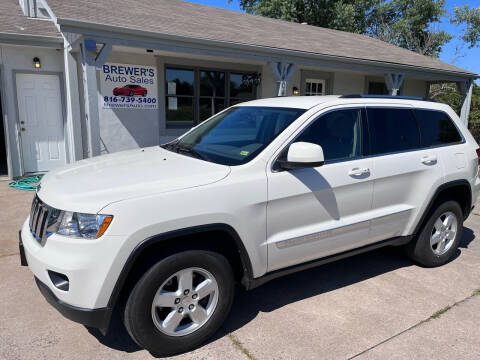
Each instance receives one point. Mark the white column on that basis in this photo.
(394, 82)
(283, 72)
(74, 129)
(92, 119)
(90, 61)
(466, 88)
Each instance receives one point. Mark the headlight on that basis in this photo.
(87, 226)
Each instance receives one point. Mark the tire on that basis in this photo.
(144, 94)
(425, 250)
(130, 93)
(149, 324)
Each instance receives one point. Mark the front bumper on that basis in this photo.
(88, 266)
(97, 318)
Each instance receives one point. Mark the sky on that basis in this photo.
(467, 58)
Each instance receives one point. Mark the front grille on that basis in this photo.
(42, 217)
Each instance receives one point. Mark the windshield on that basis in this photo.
(237, 135)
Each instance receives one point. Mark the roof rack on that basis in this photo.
(363, 96)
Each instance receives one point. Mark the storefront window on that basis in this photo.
(194, 95)
(242, 87)
(180, 97)
(212, 93)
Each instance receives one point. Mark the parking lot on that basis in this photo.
(373, 306)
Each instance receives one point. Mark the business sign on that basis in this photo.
(126, 86)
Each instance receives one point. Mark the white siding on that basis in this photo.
(414, 87)
(348, 83)
(20, 59)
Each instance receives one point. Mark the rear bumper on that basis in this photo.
(97, 318)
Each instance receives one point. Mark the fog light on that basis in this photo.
(60, 281)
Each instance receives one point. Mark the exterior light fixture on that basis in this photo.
(36, 63)
(296, 91)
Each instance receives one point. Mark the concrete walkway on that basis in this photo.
(373, 306)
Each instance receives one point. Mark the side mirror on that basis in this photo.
(303, 155)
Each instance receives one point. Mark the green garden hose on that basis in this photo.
(28, 183)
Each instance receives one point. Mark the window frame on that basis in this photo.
(371, 132)
(365, 138)
(196, 92)
(462, 141)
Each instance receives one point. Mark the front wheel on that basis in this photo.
(440, 236)
(180, 302)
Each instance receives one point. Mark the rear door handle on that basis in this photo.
(359, 172)
(429, 159)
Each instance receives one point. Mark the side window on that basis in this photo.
(392, 130)
(436, 128)
(339, 133)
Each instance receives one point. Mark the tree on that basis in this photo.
(447, 93)
(410, 24)
(471, 19)
(406, 23)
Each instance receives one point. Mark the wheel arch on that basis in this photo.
(193, 238)
(458, 190)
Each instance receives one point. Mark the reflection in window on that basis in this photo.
(180, 95)
(212, 93)
(339, 133)
(242, 87)
(193, 96)
(180, 108)
(436, 128)
(392, 130)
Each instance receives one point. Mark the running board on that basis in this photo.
(250, 284)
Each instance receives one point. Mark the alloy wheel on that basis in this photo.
(185, 302)
(443, 233)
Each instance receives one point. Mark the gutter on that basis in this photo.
(89, 26)
(30, 39)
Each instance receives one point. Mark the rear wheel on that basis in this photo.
(180, 302)
(130, 93)
(439, 238)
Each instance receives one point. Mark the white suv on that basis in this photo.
(262, 189)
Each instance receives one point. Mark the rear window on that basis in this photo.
(436, 128)
(392, 130)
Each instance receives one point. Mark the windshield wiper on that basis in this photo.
(180, 148)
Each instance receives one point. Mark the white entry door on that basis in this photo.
(41, 122)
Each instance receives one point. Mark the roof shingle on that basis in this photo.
(12, 21)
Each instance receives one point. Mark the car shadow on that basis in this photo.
(289, 289)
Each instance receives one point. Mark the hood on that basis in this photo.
(91, 184)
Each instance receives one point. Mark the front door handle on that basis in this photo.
(355, 172)
(429, 159)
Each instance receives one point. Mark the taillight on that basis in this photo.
(478, 155)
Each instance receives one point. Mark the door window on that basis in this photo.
(314, 87)
(392, 130)
(339, 133)
(436, 128)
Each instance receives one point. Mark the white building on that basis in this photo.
(80, 78)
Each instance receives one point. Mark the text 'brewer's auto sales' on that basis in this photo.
(126, 86)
